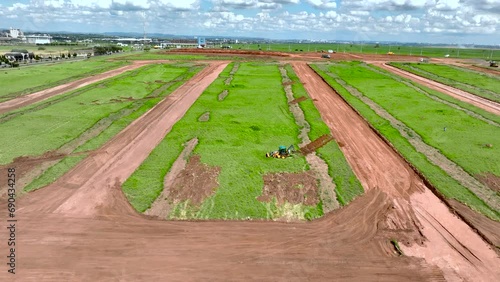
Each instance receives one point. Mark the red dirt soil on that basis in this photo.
(294, 188)
(196, 182)
(451, 244)
(477, 101)
(82, 227)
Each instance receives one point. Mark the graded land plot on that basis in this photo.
(250, 119)
(480, 84)
(21, 81)
(469, 143)
(64, 129)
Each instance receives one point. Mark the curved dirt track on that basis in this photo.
(25, 100)
(451, 244)
(82, 228)
(477, 101)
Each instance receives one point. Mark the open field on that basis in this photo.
(422, 115)
(213, 131)
(480, 84)
(234, 138)
(21, 81)
(356, 48)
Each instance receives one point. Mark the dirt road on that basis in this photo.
(450, 244)
(47, 93)
(81, 228)
(81, 192)
(477, 101)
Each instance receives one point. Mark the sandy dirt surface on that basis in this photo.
(81, 228)
(477, 101)
(449, 243)
(47, 93)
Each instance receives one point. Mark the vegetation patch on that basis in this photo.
(236, 139)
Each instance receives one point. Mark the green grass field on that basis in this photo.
(462, 142)
(480, 84)
(119, 120)
(25, 80)
(253, 119)
(37, 131)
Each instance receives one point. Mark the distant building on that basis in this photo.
(16, 33)
(38, 39)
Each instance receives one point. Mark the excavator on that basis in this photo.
(282, 152)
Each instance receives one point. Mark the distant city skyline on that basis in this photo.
(427, 21)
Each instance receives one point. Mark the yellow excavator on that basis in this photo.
(282, 152)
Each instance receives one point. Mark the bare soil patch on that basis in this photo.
(298, 100)
(316, 144)
(295, 188)
(204, 117)
(195, 183)
(223, 95)
(490, 180)
(161, 207)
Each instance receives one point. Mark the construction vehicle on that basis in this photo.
(493, 64)
(282, 152)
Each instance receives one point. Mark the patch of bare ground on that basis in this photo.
(432, 154)
(161, 207)
(489, 229)
(231, 74)
(294, 188)
(316, 144)
(195, 183)
(490, 180)
(223, 95)
(298, 100)
(318, 166)
(204, 117)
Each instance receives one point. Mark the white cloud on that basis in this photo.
(323, 4)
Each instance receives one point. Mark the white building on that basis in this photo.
(16, 33)
(38, 39)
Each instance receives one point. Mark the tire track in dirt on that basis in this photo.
(379, 167)
(477, 101)
(29, 99)
(81, 192)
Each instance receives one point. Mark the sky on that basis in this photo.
(426, 21)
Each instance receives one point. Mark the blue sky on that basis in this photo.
(431, 21)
